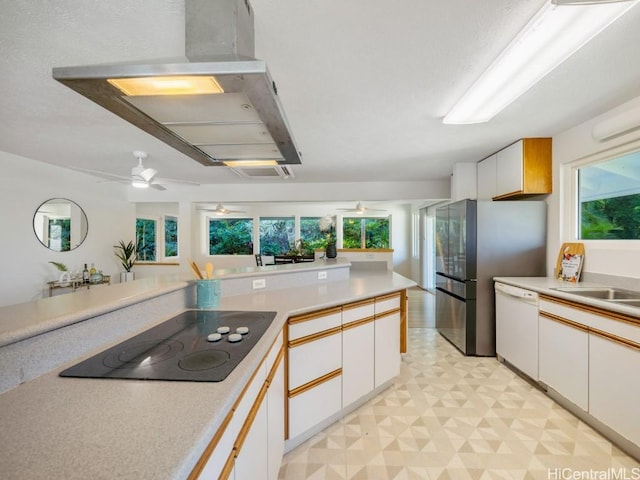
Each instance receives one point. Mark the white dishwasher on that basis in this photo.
(517, 327)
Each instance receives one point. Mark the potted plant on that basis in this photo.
(327, 226)
(127, 253)
(65, 276)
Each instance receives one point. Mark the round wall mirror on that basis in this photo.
(60, 224)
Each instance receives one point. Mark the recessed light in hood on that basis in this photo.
(215, 105)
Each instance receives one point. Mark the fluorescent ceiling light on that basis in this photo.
(169, 85)
(553, 35)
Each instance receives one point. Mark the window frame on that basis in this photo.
(569, 211)
(363, 239)
(160, 240)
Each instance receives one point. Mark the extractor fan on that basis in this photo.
(360, 209)
(220, 210)
(141, 176)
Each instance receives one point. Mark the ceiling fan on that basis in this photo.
(141, 176)
(360, 209)
(220, 210)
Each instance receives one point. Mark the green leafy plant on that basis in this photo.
(127, 253)
(60, 266)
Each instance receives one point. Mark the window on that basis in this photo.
(146, 239)
(60, 234)
(170, 236)
(365, 232)
(231, 236)
(609, 199)
(277, 235)
(310, 232)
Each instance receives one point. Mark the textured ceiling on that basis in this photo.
(364, 84)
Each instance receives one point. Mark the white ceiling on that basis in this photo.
(364, 84)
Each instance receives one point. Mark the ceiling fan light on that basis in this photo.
(139, 183)
(551, 36)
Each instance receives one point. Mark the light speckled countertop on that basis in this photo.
(53, 427)
(547, 286)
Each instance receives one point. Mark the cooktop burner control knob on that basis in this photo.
(223, 330)
(242, 330)
(214, 337)
(235, 337)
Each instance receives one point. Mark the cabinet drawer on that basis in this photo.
(387, 303)
(305, 325)
(357, 311)
(309, 408)
(312, 360)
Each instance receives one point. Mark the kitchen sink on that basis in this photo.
(629, 297)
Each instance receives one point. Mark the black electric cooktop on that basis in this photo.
(187, 348)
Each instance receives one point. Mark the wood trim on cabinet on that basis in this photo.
(251, 416)
(388, 313)
(616, 339)
(314, 336)
(357, 323)
(286, 383)
(388, 296)
(621, 317)
(313, 315)
(314, 383)
(565, 321)
(204, 458)
(361, 303)
(225, 473)
(403, 321)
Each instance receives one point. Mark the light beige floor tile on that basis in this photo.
(453, 417)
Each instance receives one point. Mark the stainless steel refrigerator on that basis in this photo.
(476, 241)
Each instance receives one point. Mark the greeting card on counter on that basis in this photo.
(570, 260)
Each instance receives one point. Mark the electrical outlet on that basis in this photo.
(322, 275)
(259, 283)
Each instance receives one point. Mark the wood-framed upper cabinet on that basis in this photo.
(524, 169)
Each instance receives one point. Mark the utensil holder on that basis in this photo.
(207, 293)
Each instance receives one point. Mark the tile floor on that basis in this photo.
(450, 417)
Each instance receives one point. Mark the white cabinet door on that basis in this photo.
(564, 359)
(311, 407)
(275, 421)
(614, 390)
(487, 178)
(252, 460)
(509, 169)
(357, 362)
(387, 347)
(314, 359)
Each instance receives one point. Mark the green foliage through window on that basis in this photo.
(609, 199)
(146, 239)
(277, 234)
(232, 236)
(60, 234)
(310, 233)
(365, 232)
(170, 236)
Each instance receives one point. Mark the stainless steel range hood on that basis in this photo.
(244, 122)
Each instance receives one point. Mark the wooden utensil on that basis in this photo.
(209, 269)
(196, 270)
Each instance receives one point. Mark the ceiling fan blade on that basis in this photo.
(147, 174)
(112, 176)
(157, 186)
(173, 180)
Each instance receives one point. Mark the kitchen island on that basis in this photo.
(53, 427)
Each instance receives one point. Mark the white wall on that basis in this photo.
(576, 145)
(24, 185)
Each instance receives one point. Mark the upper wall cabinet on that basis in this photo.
(519, 170)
